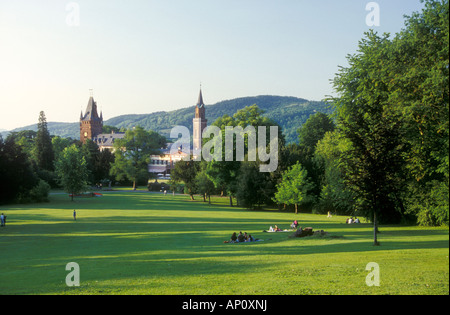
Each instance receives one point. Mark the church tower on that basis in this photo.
(91, 124)
(199, 122)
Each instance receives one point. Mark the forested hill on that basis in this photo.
(289, 112)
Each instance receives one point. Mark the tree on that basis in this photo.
(91, 153)
(254, 188)
(103, 166)
(373, 166)
(294, 188)
(186, 172)
(334, 194)
(16, 175)
(59, 144)
(203, 184)
(110, 129)
(420, 94)
(313, 130)
(26, 139)
(393, 108)
(224, 174)
(45, 156)
(132, 154)
(72, 170)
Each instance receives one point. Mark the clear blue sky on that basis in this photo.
(145, 56)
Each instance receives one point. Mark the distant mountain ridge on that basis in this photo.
(289, 112)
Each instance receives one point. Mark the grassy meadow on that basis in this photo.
(129, 242)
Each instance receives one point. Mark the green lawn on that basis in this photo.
(146, 243)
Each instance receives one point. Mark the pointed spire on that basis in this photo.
(200, 98)
(200, 107)
(91, 110)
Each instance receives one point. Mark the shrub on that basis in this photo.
(38, 193)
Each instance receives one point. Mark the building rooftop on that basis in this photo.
(108, 139)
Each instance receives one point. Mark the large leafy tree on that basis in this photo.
(59, 144)
(373, 164)
(254, 188)
(228, 176)
(132, 154)
(311, 132)
(72, 170)
(16, 175)
(186, 172)
(334, 194)
(203, 184)
(294, 188)
(392, 106)
(419, 87)
(91, 154)
(26, 139)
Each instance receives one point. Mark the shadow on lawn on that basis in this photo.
(189, 242)
(209, 232)
(189, 256)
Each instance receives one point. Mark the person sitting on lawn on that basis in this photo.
(233, 238)
(241, 238)
(277, 229)
(250, 238)
(294, 224)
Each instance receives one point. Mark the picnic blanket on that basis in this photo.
(282, 231)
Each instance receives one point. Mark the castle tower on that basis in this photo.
(199, 123)
(91, 124)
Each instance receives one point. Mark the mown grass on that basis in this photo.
(146, 243)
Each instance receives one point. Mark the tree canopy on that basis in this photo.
(132, 154)
(392, 107)
(72, 170)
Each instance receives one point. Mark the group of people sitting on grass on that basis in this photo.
(352, 220)
(242, 238)
(294, 225)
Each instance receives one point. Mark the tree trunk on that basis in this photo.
(209, 199)
(204, 197)
(134, 185)
(231, 201)
(375, 230)
(192, 197)
(296, 208)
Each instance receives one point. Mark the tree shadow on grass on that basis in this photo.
(194, 243)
